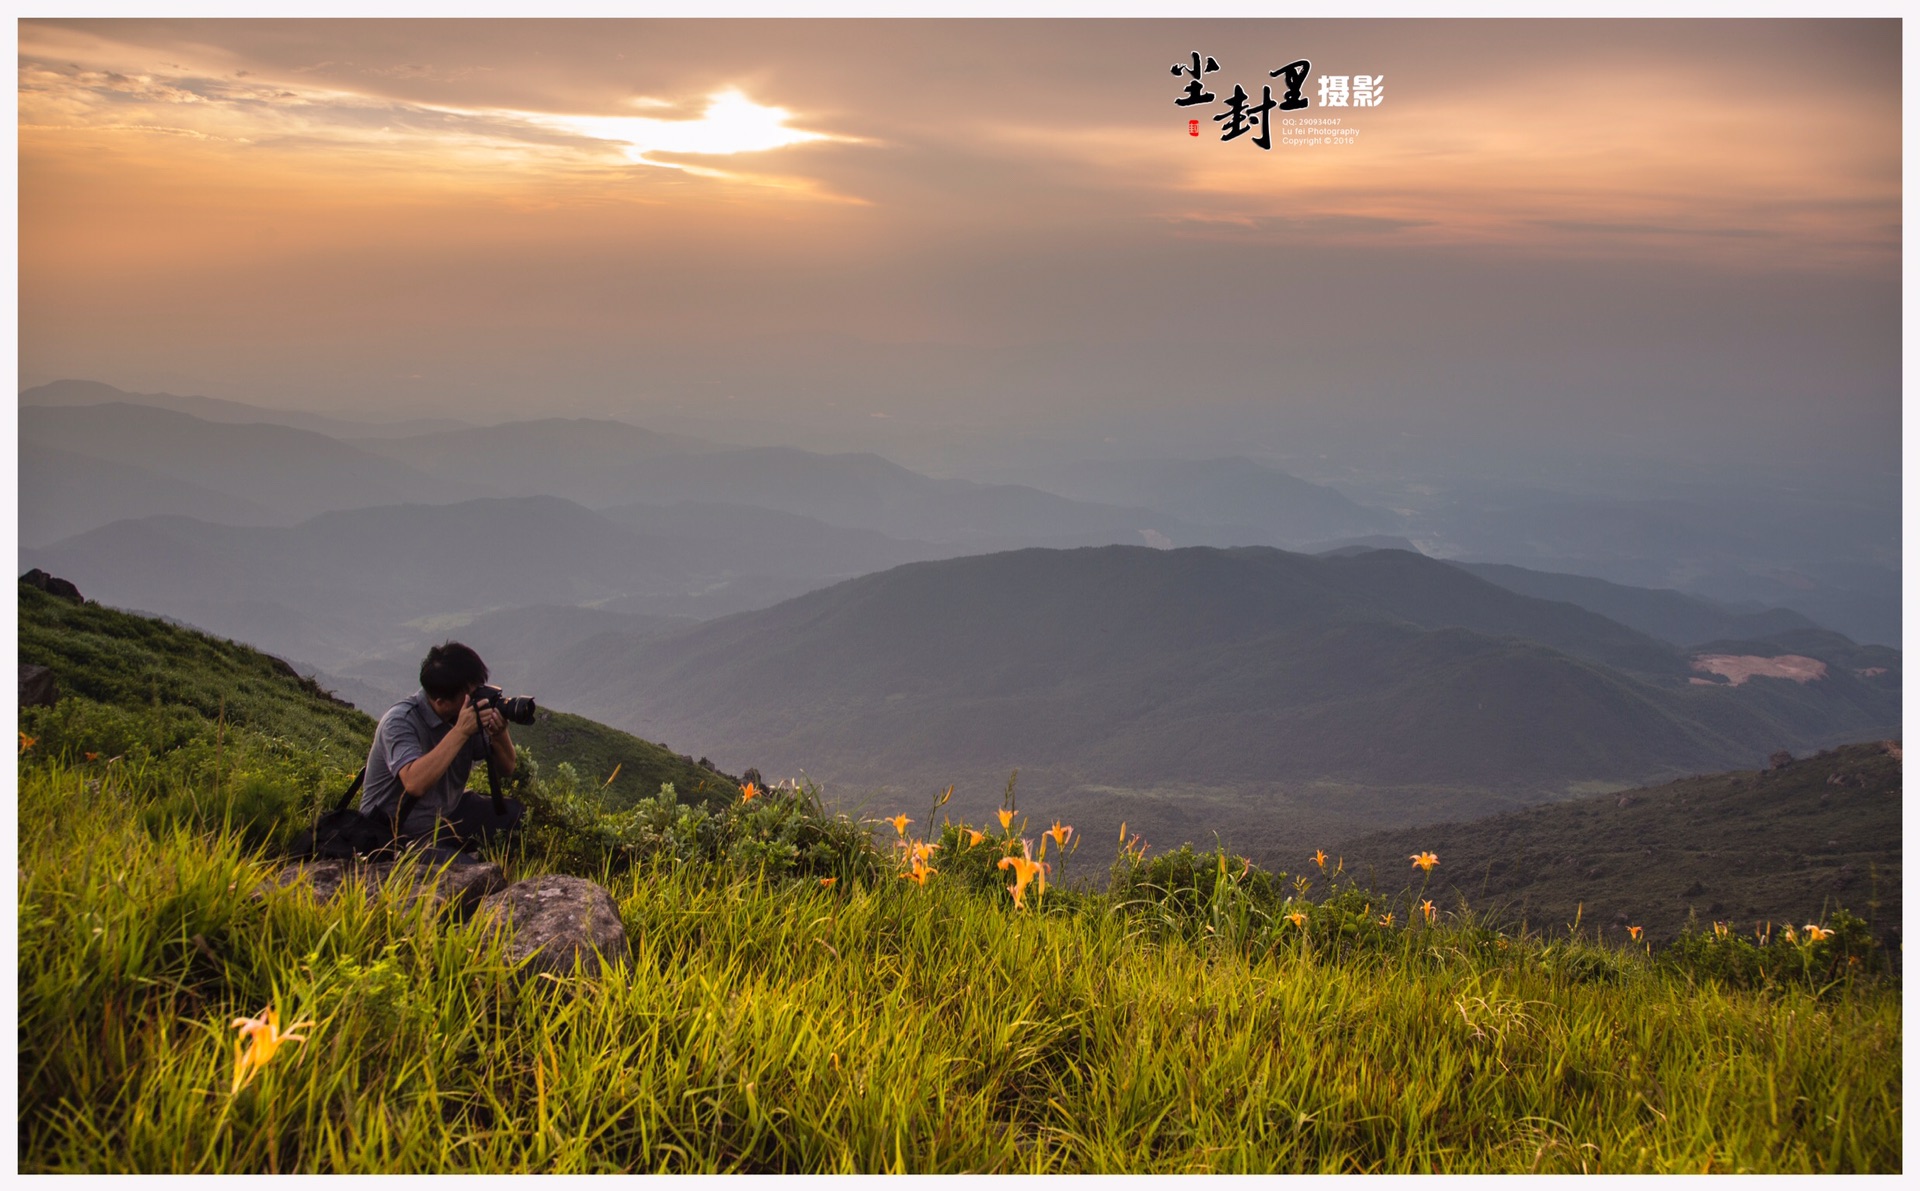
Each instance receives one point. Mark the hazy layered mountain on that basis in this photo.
(1669, 615)
(288, 474)
(517, 643)
(780, 542)
(602, 463)
(1246, 670)
(1229, 491)
(589, 461)
(66, 393)
(356, 584)
(1834, 560)
(63, 493)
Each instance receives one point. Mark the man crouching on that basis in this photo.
(424, 750)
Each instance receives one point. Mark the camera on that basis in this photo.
(517, 710)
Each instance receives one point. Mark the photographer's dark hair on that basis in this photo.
(449, 670)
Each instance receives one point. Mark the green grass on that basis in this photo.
(791, 1005)
(174, 689)
(1745, 848)
(767, 1025)
(638, 766)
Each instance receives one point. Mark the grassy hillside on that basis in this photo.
(135, 685)
(793, 1004)
(636, 767)
(1749, 847)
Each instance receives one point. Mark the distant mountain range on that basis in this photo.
(346, 584)
(96, 455)
(1355, 687)
(90, 456)
(1669, 615)
(1834, 560)
(1229, 491)
(1246, 669)
(142, 454)
(69, 393)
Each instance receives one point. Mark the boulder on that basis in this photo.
(325, 877)
(459, 887)
(553, 919)
(38, 687)
(53, 586)
(1780, 760)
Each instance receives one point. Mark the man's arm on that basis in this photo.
(418, 775)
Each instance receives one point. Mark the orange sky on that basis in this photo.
(442, 213)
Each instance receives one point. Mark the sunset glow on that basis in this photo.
(731, 123)
(631, 203)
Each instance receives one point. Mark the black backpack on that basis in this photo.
(343, 833)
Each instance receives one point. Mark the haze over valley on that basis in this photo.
(1194, 646)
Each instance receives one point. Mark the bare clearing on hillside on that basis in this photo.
(1737, 668)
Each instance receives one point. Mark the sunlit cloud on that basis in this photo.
(65, 98)
(731, 123)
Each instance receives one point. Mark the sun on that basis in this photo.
(731, 123)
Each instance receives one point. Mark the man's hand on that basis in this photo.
(494, 722)
(468, 721)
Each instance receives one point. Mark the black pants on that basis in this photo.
(471, 821)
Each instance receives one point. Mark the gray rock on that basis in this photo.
(553, 919)
(459, 887)
(325, 877)
(38, 687)
(53, 585)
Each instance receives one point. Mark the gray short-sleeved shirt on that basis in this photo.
(408, 731)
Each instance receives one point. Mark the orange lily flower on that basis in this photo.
(975, 838)
(1024, 872)
(827, 882)
(1426, 907)
(1320, 858)
(748, 792)
(1059, 833)
(1387, 918)
(1424, 861)
(26, 742)
(1006, 819)
(1634, 933)
(899, 824)
(260, 1040)
(1815, 933)
(1297, 918)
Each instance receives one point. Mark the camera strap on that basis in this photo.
(352, 789)
(493, 779)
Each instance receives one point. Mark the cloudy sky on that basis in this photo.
(1676, 238)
